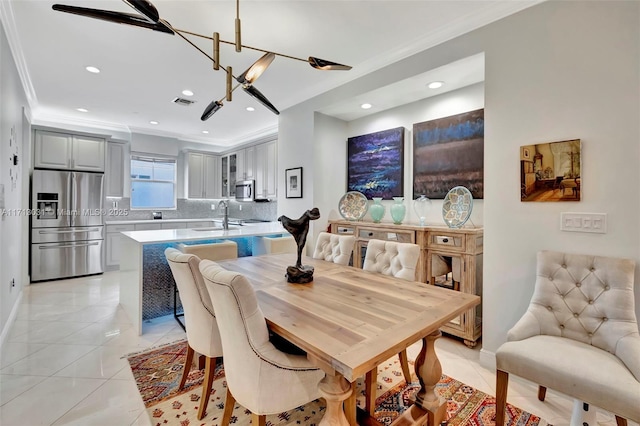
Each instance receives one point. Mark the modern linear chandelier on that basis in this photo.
(148, 17)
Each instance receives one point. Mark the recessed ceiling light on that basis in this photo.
(366, 106)
(435, 84)
(92, 69)
(82, 109)
(206, 132)
(251, 109)
(187, 92)
(153, 122)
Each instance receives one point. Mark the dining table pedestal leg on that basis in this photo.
(429, 408)
(334, 389)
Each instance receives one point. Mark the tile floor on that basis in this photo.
(62, 364)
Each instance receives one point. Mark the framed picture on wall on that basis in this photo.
(375, 164)
(293, 182)
(449, 152)
(551, 171)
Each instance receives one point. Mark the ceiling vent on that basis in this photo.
(182, 101)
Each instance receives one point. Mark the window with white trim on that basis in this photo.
(153, 182)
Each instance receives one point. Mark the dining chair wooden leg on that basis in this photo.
(371, 384)
(620, 421)
(209, 372)
(542, 393)
(502, 385)
(404, 363)
(187, 367)
(229, 403)
(258, 420)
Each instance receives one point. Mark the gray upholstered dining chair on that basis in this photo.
(398, 260)
(579, 335)
(262, 378)
(201, 326)
(334, 248)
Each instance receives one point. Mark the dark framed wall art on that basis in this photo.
(449, 152)
(375, 163)
(293, 182)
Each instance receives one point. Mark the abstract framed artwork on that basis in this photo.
(551, 171)
(293, 182)
(375, 163)
(449, 152)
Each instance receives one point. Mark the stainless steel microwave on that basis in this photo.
(244, 190)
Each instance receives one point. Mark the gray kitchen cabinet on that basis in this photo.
(266, 170)
(113, 244)
(232, 170)
(56, 150)
(202, 175)
(114, 175)
(147, 226)
(173, 225)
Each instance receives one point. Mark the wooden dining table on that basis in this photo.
(349, 321)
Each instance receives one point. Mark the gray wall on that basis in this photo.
(13, 235)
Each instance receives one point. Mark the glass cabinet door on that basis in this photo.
(233, 175)
(225, 177)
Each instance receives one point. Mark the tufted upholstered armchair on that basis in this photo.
(260, 377)
(203, 336)
(398, 260)
(579, 335)
(334, 248)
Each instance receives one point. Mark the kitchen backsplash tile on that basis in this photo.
(192, 209)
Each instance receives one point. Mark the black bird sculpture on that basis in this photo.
(299, 228)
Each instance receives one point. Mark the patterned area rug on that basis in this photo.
(158, 371)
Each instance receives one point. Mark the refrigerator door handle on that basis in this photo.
(58, 246)
(69, 231)
(69, 198)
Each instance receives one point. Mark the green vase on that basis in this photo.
(398, 210)
(377, 210)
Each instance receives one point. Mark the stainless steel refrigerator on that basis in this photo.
(66, 224)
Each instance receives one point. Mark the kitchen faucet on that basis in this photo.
(225, 219)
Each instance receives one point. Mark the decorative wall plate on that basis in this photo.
(353, 205)
(457, 207)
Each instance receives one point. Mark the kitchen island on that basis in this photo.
(146, 282)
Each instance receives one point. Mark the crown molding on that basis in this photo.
(54, 120)
(9, 24)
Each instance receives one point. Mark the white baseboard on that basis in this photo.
(488, 359)
(10, 320)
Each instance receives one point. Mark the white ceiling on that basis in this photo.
(142, 71)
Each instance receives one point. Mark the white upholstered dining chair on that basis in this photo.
(334, 248)
(398, 260)
(579, 335)
(201, 326)
(259, 376)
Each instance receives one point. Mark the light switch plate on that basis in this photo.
(583, 222)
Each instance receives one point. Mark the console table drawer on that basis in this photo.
(386, 235)
(446, 241)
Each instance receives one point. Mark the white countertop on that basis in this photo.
(175, 235)
(133, 222)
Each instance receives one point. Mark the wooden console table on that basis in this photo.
(450, 258)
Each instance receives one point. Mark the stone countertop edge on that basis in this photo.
(177, 235)
(133, 222)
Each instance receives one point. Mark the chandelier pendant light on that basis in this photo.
(148, 17)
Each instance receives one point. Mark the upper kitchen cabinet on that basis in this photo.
(232, 170)
(55, 150)
(202, 175)
(114, 176)
(265, 170)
